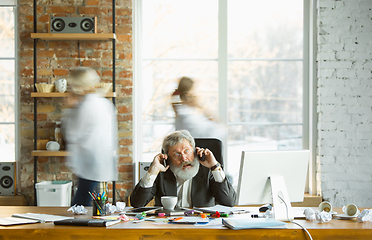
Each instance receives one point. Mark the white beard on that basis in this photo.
(187, 173)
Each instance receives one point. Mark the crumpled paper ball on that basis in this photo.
(110, 208)
(323, 216)
(268, 214)
(120, 206)
(78, 209)
(365, 215)
(309, 214)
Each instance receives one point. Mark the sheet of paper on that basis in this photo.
(9, 221)
(41, 217)
(240, 223)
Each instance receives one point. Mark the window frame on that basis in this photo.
(309, 132)
(14, 4)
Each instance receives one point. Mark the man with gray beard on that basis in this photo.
(195, 183)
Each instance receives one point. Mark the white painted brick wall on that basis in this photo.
(345, 101)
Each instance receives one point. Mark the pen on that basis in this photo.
(95, 201)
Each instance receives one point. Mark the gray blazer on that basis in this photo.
(205, 190)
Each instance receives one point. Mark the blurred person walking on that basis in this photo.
(191, 116)
(89, 125)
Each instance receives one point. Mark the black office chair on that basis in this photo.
(213, 144)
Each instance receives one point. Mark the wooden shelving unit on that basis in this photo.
(74, 36)
(57, 94)
(66, 37)
(46, 153)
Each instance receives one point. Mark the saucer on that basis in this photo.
(346, 217)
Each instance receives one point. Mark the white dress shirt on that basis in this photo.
(183, 187)
(90, 131)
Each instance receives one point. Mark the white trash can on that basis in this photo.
(54, 193)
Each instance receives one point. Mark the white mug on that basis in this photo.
(61, 85)
(351, 210)
(52, 146)
(169, 202)
(325, 206)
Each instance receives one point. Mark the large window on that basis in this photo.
(7, 81)
(247, 58)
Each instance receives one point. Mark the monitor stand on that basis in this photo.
(278, 188)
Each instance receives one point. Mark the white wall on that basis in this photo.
(345, 101)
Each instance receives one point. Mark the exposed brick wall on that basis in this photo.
(55, 59)
(345, 101)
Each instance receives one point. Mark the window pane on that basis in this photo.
(153, 138)
(271, 29)
(7, 32)
(261, 91)
(7, 91)
(7, 143)
(264, 108)
(180, 29)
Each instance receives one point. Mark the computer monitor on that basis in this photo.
(270, 176)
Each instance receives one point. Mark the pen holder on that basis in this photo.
(99, 208)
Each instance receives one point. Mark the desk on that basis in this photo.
(336, 229)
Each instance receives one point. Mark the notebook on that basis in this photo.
(87, 222)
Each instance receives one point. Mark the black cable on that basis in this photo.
(293, 221)
(79, 52)
(27, 203)
(117, 191)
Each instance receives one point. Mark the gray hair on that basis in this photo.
(82, 79)
(175, 138)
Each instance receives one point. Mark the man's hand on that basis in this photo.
(210, 160)
(157, 164)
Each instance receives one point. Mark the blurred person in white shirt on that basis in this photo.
(89, 125)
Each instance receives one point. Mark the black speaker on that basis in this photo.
(7, 178)
(73, 25)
